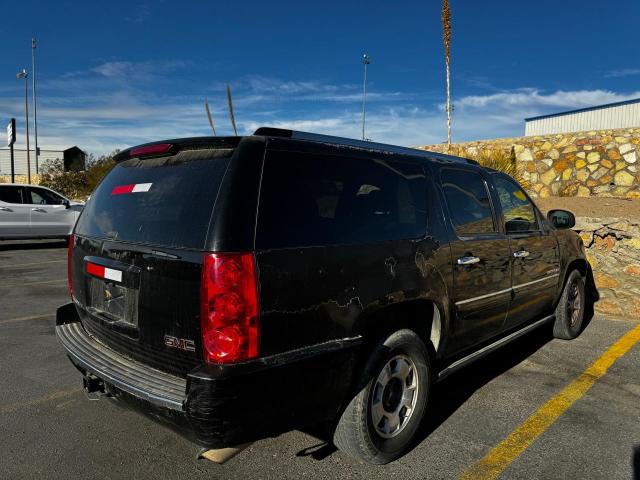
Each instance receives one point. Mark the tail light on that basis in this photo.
(69, 266)
(229, 310)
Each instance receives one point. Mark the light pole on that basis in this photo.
(365, 61)
(35, 106)
(20, 75)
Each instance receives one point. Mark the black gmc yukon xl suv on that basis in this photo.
(235, 288)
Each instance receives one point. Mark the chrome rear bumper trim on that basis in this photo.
(159, 388)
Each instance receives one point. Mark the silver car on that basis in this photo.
(33, 211)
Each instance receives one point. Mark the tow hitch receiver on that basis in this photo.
(93, 386)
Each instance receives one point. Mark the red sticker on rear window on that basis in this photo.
(131, 188)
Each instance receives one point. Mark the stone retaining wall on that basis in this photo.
(602, 163)
(613, 250)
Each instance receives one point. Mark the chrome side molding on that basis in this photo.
(457, 365)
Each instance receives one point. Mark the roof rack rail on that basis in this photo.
(352, 142)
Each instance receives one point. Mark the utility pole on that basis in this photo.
(366, 61)
(20, 75)
(35, 106)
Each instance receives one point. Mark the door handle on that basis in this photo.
(5, 209)
(41, 210)
(468, 260)
(521, 254)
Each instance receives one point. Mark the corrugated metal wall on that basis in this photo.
(20, 160)
(616, 116)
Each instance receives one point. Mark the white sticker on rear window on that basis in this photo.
(141, 187)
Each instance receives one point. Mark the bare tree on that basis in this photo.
(206, 107)
(233, 119)
(446, 34)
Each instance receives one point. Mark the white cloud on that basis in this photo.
(120, 103)
(623, 72)
(135, 70)
(531, 97)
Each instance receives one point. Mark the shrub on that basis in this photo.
(500, 160)
(76, 184)
(70, 184)
(98, 169)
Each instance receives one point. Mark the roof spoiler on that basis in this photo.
(351, 142)
(171, 147)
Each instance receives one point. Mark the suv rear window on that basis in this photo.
(311, 200)
(163, 201)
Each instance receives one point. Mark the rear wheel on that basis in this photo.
(570, 308)
(381, 420)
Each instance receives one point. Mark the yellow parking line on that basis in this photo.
(503, 454)
(17, 265)
(20, 319)
(12, 407)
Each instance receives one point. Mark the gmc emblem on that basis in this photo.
(180, 343)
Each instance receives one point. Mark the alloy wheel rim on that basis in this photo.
(574, 304)
(394, 396)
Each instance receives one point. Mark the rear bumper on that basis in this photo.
(221, 405)
(132, 377)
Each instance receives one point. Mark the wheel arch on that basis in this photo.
(584, 267)
(426, 317)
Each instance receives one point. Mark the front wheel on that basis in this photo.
(381, 421)
(570, 308)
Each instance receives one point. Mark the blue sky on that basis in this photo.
(114, 74)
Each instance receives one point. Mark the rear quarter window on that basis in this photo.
(309, 199)
(164, 201)
(10, 194)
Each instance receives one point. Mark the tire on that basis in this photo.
(381, 420)
(570, 309)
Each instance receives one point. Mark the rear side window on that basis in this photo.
(40, 196)
(10, 194)
(311, 200)
(518, 211)
(468, 200)
(164, 201)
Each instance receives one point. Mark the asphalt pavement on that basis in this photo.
(49, 429)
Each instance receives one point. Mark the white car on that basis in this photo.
(33, 211)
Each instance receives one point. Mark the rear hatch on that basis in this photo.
(137, 256)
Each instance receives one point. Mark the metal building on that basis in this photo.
(73, 158)
(602, 117)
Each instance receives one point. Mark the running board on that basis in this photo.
(457, 365)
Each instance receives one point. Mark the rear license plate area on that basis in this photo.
(112, 290)
(113, 302)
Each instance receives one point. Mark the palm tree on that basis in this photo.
(446, 34)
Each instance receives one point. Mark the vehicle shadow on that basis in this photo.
(451, 393)
(12, 245)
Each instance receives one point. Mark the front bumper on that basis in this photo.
(221, 405)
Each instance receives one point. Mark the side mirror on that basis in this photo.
(561, 218)
(66, 203)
